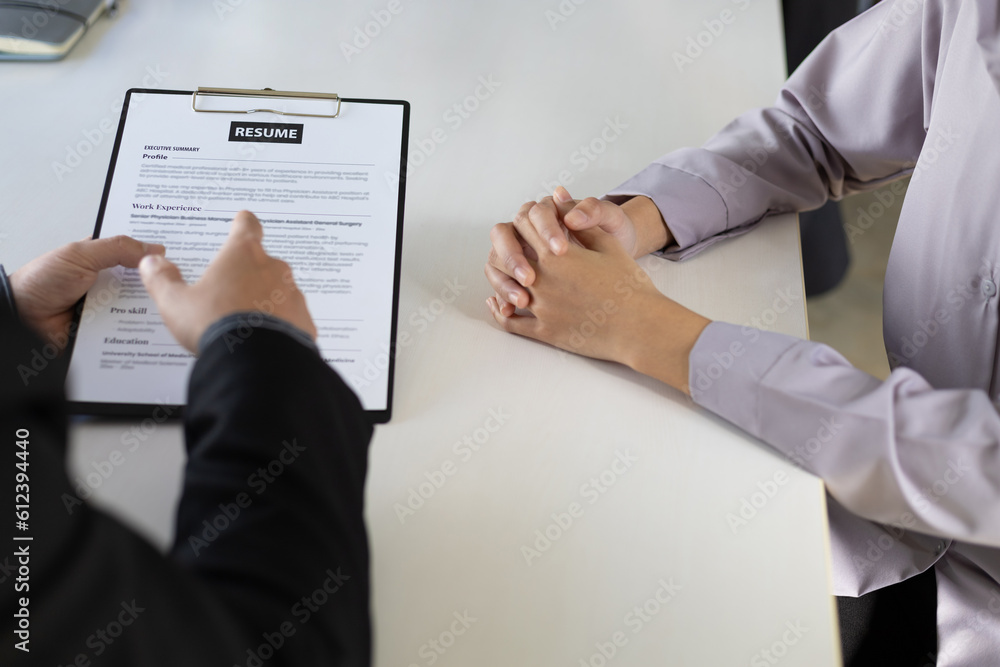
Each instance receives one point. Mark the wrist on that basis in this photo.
(661, 338)
(240, 325)
(651, 229)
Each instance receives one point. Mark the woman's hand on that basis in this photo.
(636, 225)
(594, 299)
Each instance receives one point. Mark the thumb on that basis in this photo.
(593, 212)
(163, 280)
(598, 240)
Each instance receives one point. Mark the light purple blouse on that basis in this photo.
(912, 464)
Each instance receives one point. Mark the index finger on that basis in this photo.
(245, 225)
(508, 255)
(527, 228)
(545, 216)
(112, 251)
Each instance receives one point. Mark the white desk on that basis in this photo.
(565, 419)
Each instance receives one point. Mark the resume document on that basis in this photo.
(327, 193)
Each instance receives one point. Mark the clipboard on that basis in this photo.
(309, 115)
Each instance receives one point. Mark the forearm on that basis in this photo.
(86, 569)
(822, 138)
(895, 452)
(660, 336)
(276, 439)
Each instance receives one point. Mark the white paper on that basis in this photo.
(328, 207)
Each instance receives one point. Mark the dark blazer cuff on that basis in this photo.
(7, 293)
(243, 323)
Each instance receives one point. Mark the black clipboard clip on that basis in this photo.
(264, 93)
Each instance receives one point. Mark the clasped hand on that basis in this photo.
(569, 266)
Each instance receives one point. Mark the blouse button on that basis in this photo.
(989, 288)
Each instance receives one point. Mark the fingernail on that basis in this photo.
(521, 275)
(555, 243)
(512, 297)
(577, 215)
(489, 304)
(562, 194)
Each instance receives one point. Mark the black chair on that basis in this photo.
(825, 257)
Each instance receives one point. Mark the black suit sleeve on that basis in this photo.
(272, 432)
